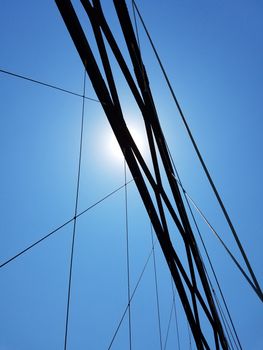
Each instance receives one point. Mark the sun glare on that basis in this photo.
(114, 149)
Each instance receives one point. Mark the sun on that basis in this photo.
(113, 148)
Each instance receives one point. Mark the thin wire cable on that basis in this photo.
(168, 327)
(156, 292)
(175, 315)
(63, 225)
(136, 25)
(189, 336)
(47, 85)
(227, 217)
(75, 213)
(222, 242)
(127, 253)
(224, 322)
(222, 314)
(132, 295)
(187, 198)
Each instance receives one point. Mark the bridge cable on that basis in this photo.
(47, 85)
(127, 253)
(132, 295)
(169, 325)
(187, 198)
(63, 225)
(175, 315)
(75, 213)
(256, 284)
(156, 291)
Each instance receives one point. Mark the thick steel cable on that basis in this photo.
(75, 214)
(46, 84)
(127, 254)
(187, 198)
(227, 217)
(156, 292)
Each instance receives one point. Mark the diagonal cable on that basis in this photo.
(227, 217)
(127, 254)
(61, 226)
(175, 315)
(188, 198)
(75, 213)
(169, 325)
(132, 295)
(46, 84)
(156, 292)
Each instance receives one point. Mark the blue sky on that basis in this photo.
(213, 53)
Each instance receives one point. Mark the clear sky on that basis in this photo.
(213, 53)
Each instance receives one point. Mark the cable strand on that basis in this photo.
(75, 213)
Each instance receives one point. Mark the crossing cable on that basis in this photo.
(125, 139)
(221, 312)
(75, 212)
(156, 292)
(154, 158)
(63, 225)
(169, 325)
(221, 241)
(175, 315)
(127, 253)
(132, 295)
(47, 85)
(225, 321)
(188, 252)
(189, 336)
(187, 198)
(217, 282)
(231, 226)
(136, 25)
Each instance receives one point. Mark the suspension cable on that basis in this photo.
(169, 325)
(187, 198)
(63, 225)
(156, 292)
(230, 224)
(132, 295)
(127, 253)
(46, 84)
(223, 244)
(175, 315)
(75, 213)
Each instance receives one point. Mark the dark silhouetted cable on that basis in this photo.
(225, 323)
(187, 198)
(75, 212)
(169, 325)
(61, 226)
(47, 85)
(156, 292)
(175, 316)
(132, 295)
(127, 254)
(231, 226)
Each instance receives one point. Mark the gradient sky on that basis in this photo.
(213, 53)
